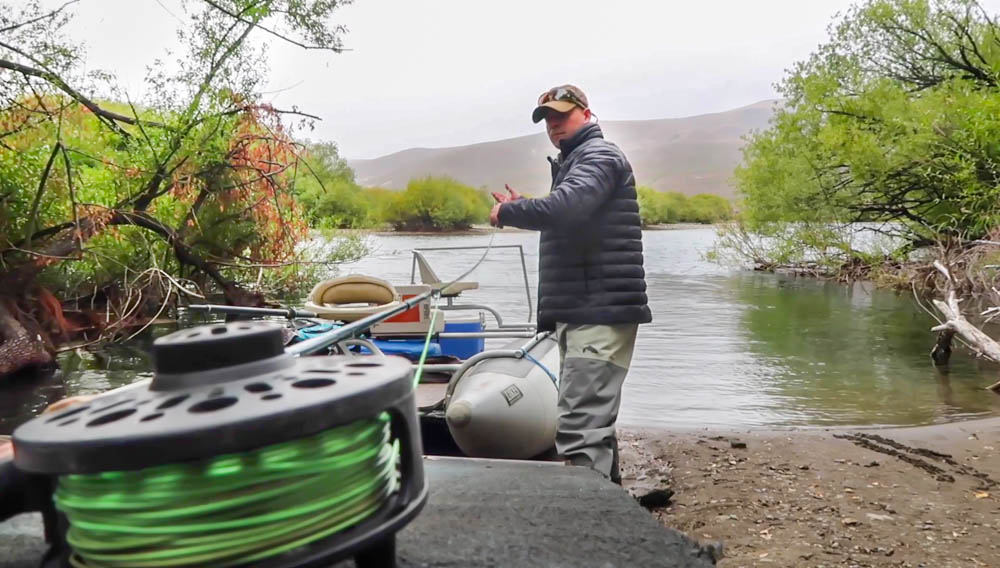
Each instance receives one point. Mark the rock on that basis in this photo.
(872, 463)
(713, 549)
(849, 522)
(878, 517)
(656, 498)
(738, 444)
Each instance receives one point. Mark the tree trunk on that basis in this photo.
(20, 348)
(63, 245)
(955, 322)
(941, 352)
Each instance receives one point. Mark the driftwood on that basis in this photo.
(954, 323)
(20, 346)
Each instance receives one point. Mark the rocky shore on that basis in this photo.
(908, 497)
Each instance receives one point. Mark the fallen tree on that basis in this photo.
(955, 323)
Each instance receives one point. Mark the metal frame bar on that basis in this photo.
(362, 342)
(486, 334)
(453, 307)
(524, 270)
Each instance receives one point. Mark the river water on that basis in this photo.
(727, 348)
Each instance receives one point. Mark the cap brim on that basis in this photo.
(558, 106)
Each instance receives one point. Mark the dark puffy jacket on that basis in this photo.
(590, 254)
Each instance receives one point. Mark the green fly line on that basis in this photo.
(235, 509)
(231, 509)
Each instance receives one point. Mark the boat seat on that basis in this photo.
(352, 297)
(430, 278)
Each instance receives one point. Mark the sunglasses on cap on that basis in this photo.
(561, 94)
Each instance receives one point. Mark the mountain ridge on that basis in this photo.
(692, 154)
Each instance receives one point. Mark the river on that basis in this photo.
(727, 348)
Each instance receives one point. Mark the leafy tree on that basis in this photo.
(892, 121)
(328, 192)
(119, 201)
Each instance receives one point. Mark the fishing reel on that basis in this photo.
(237, 454)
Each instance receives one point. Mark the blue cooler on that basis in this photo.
(463, 348)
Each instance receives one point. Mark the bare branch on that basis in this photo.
(33, 215)
(296, 112)
(72, 198)
(270, 31)
(58, 82)
(38, 19)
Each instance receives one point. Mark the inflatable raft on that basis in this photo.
(498, 403)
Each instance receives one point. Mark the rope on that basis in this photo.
(552, 376)
(232, 509)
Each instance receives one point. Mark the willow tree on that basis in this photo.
(895, 121)
(108, 204)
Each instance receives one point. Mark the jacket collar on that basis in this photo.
(586, 132)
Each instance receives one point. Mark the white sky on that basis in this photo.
(437, 73)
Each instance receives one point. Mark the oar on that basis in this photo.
(290, 313)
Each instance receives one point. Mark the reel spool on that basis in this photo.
(229, 421)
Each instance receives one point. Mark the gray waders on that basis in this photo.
(594, 360)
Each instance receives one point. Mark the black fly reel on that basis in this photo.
(231, 389)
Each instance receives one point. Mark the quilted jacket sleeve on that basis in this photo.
(590, 182)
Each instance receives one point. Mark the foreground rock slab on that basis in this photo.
(498, 513)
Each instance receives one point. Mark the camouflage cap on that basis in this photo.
(560, 99)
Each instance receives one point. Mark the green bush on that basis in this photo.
(328, 193)
(433, 204)
(708, 208)
(652, 208)
(657, 208)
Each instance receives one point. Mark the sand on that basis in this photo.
(911, 497)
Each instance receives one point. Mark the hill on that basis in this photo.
(694, 154)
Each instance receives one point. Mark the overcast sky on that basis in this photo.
(434, 73)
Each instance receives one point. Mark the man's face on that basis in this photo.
(562, 125)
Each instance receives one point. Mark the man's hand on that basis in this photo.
(495, 213)
(501, 198)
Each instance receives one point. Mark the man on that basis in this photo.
(591, 283)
